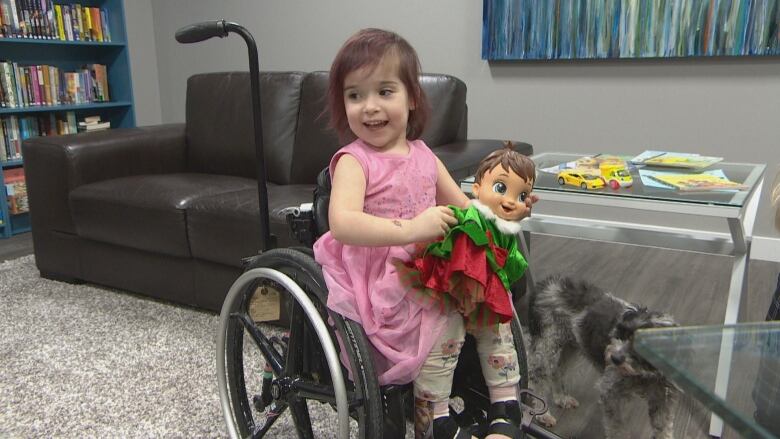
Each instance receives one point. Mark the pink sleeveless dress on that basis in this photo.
(363, 284)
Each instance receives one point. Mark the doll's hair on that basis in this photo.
(510, 160)
(367, 48)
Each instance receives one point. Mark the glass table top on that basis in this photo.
(745, 173)
(688, 356)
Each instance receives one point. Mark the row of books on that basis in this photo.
(16, 190)
(14, 129)
(42, 19)
(630, 28)
(695, 179)
(44, 85)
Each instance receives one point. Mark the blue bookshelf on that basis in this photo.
(70, 56)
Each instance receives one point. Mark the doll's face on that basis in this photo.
(505, 193)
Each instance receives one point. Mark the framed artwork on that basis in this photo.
(593, 29)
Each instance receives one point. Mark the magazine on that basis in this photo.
(675, 159)
(697, 182)
(589, 163)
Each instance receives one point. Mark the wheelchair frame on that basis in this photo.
(296, 369)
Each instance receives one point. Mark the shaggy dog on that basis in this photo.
(567, 318)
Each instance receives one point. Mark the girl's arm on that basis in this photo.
(447, 190)
(350, 225)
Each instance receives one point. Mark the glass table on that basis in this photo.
(688, 356)
(737, 208)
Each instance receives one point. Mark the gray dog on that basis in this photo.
(567, 318)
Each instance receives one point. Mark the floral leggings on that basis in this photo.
(497, 355)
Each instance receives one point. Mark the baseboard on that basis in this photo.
(764, 248)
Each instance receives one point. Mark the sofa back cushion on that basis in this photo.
(220, 137)
(447, 99)
(315, 142)
(297, 141)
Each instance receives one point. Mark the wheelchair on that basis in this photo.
(303, 360)
(263, 373)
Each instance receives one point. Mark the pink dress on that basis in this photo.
(363, 283)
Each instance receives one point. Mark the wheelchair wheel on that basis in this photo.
(469, 384)
(299, 377)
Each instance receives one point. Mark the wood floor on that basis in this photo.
(690, 286)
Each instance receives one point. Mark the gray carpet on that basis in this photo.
(83, 361)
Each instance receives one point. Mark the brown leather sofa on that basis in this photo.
(169, 211)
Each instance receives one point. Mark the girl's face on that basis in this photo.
(507, 194)
(377, 105)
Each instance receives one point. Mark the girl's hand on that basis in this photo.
(432, 223)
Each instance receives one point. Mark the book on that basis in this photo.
(697, 182)
(675, 160)
(16, 188)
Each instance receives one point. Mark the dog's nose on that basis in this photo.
(618, 359)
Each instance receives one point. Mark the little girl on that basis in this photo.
(389, 191)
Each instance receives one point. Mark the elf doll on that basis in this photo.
(468, 274)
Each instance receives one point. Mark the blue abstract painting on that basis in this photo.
(587, 29)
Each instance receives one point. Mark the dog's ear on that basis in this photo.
(631, 313)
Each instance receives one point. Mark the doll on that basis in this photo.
(473, 267)
(468, 274)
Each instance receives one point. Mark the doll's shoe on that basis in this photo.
(446, 428)
(505, 418)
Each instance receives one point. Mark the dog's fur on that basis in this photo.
(567, 317)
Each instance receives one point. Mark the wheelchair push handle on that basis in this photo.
(198, 32)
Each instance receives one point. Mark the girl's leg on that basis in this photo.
(498, 357)
(433, 386)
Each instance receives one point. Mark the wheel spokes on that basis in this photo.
(262, 342)
(276, 410)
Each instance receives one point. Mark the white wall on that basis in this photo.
(725, 107)
(143, 62)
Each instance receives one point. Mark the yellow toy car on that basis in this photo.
(582, 178)
(616, 175)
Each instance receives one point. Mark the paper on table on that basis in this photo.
(647, 178)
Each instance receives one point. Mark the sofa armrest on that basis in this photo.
(462, 158)
(55, 165)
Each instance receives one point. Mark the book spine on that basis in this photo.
(96, 23)
(20, 85)
(5, 17)
(106, 27)
(74, 22)
(7, 82)
(60, 25)
(43, 72)
(89, 27)
(3, 98)
(10, 80)
(66, 19)
(3, 146)
(53, 86)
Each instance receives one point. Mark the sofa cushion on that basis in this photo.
(448, 118)
(315, 142)
(225, 228)
(146, 212)
(220, 138)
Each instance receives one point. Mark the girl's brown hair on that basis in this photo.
(510, 160)
(367, 48)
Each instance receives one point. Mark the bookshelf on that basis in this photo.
(68, 56)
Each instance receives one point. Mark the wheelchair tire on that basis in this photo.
(304, 366)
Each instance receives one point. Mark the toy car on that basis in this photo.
(584, 179)
(616, 175)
